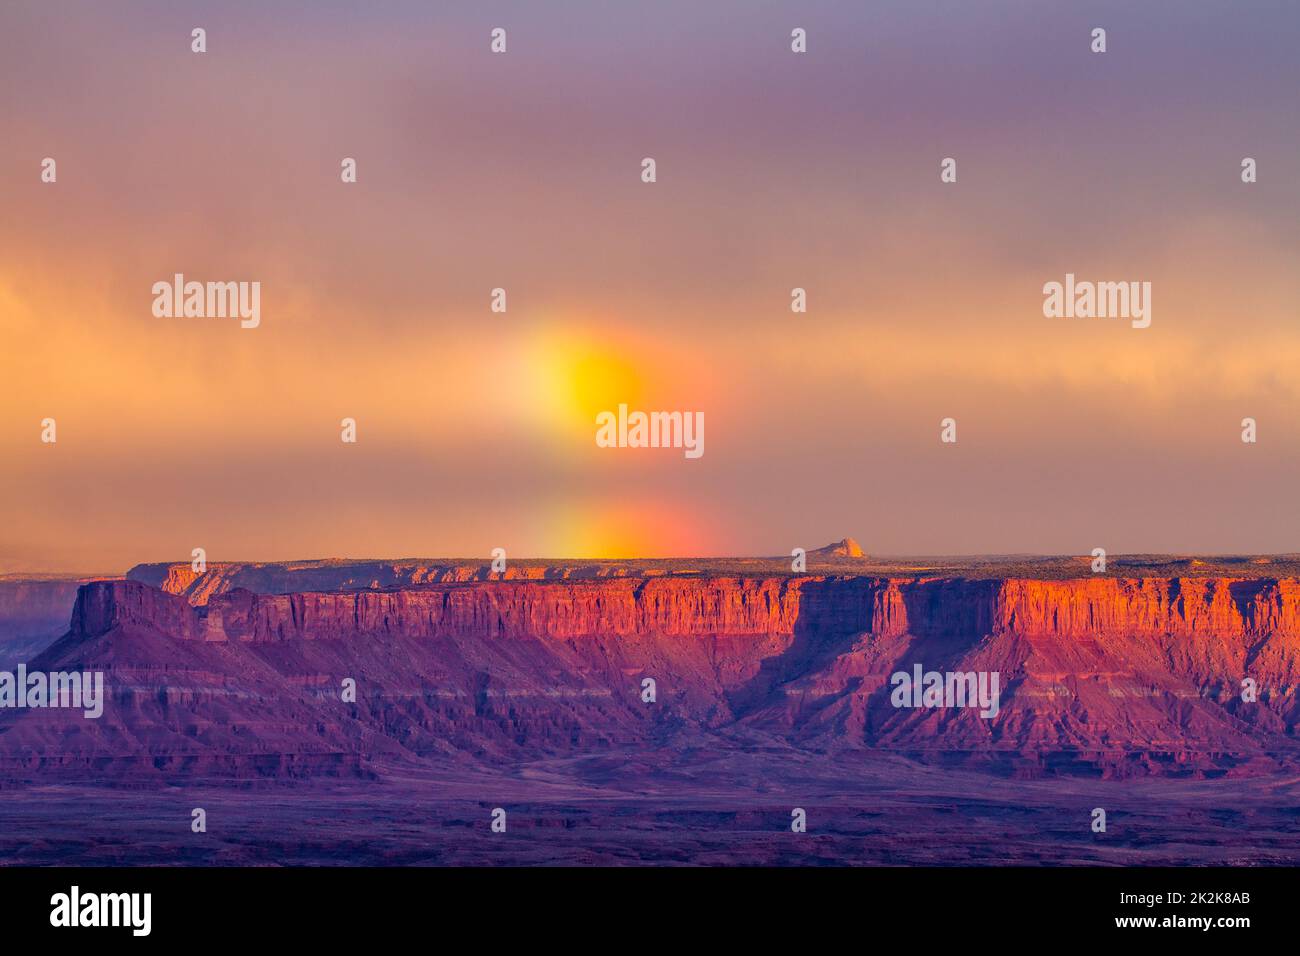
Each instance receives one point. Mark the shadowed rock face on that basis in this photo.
(1099, 674)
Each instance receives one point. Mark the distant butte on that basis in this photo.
(844, 548)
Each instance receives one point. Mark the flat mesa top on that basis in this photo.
(380, 572)
(1034, 567)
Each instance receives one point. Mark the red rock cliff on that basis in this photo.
(1095, 672)
(1213, 607)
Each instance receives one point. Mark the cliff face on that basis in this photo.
(1095, 674)
(1233, 610)
(1210, 607)
(496, 609)
(103, 605)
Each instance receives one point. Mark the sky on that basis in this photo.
(522, 171)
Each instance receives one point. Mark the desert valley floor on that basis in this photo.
(885, 811)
